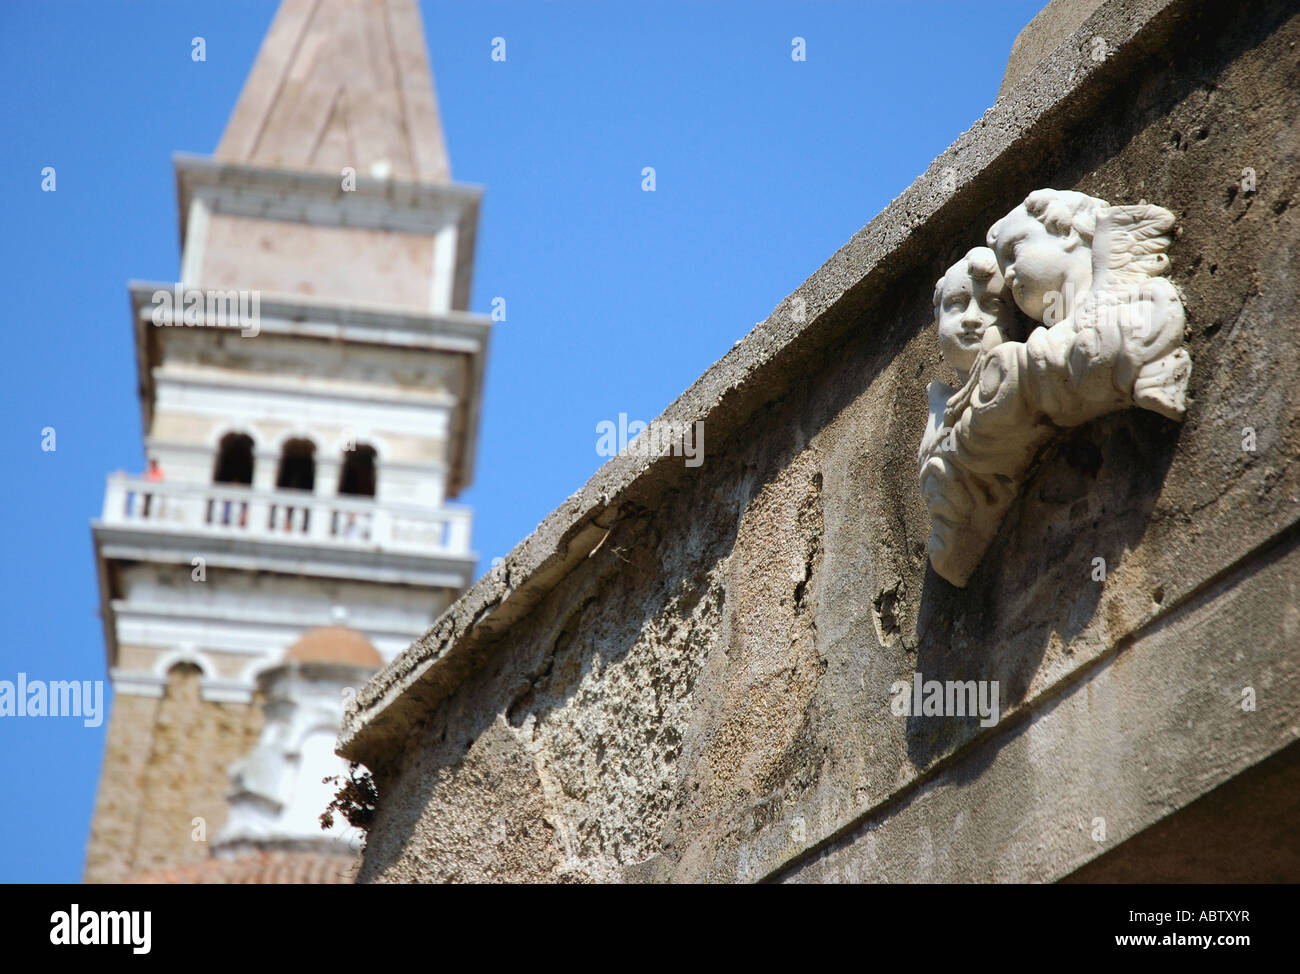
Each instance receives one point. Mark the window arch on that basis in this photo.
(357, 474)
(297, 469)
(234, 463)
(183, 657)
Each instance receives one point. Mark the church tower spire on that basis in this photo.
(310, 395)
(339, 83)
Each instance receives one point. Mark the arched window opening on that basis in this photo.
(297, 466)
(234, 466)
(183, 681)
(357, 475)
(234, 460)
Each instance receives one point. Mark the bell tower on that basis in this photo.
(310, 394)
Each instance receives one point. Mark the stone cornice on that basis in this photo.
(381, 204)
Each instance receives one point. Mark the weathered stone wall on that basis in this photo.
(693, 682)
(158, 777)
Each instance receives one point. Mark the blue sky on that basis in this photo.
(617, 299)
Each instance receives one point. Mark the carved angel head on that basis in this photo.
(1044, 247)
(971, 309)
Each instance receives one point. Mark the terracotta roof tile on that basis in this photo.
(334, 644)
(261, 869)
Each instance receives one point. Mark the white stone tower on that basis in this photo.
(310, 392)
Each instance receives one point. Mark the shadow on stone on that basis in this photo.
(1087, 503)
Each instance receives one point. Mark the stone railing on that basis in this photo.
(232, 510)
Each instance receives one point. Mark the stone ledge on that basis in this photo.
(1050, 28)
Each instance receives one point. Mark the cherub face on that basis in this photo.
(1035, 262)
(971, 314)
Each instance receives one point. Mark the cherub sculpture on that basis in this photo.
(973, 313)
(1092, 274)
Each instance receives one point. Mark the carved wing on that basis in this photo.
(1129, 245)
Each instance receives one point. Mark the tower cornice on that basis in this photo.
(320, 197)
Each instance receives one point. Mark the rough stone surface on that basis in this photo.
(684, 673)
(1050, 28)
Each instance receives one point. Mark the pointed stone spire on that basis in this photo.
(341, 83)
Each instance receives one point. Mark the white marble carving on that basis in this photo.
(1108, 331)
(279, 789)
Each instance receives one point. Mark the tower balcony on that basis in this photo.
(285, 530)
